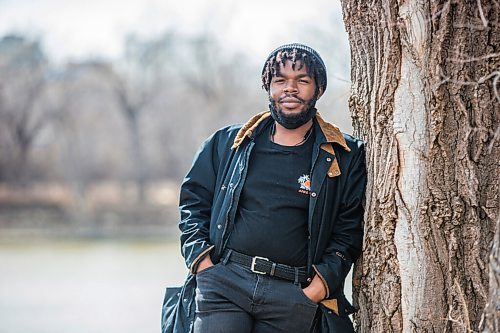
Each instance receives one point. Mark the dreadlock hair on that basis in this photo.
(295, 52)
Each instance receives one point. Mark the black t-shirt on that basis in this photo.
(271, 220)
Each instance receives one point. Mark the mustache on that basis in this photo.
(291, 97)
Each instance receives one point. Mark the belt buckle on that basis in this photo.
(252, 266)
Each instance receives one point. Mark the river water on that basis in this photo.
(85, 286)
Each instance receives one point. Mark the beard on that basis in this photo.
(293, 121)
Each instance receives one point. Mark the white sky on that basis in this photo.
(71, 29)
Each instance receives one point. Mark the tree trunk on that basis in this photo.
(137, 154)
(425, 80)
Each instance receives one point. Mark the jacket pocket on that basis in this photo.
(340, 306)
(327, 321)
(169, 309)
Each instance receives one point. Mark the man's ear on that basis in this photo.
(320, 92)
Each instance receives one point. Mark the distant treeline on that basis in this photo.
(136, 120)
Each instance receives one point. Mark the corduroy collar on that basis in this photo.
(331, 132)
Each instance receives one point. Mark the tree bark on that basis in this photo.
(490, 323)
(425, 80)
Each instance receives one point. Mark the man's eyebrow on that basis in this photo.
(299, 76)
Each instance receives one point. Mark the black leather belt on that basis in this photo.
(264, 266)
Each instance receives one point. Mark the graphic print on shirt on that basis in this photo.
(305, 184)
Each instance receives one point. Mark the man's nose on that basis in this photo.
(291, 87)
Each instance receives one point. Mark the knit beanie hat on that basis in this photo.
(304, 51)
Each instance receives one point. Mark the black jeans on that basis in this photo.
(231, 298)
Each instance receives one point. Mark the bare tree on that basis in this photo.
(425, 80)
(135, 83)
(205, 89)
(23, 72)
(132, 109)
(149, 111)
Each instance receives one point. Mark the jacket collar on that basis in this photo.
(247, 130)
(331, 132)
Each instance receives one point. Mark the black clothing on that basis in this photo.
(210, 195)
(271, 220)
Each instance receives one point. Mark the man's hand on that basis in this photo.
(316, 291)
(205, 263)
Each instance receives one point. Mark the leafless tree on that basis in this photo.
(23, 72)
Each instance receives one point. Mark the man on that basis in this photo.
(271, 215)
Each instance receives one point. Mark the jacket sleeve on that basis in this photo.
(346, 240)
(196, 197)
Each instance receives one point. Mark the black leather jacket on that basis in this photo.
(209, 199)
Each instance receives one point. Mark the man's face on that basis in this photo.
(292, 91)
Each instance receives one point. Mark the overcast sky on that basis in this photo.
(71, 29)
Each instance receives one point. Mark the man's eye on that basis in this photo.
(279, 81)
(304, 81)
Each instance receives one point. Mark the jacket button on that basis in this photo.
(219, 226)
(328, 159)
(313, 194)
